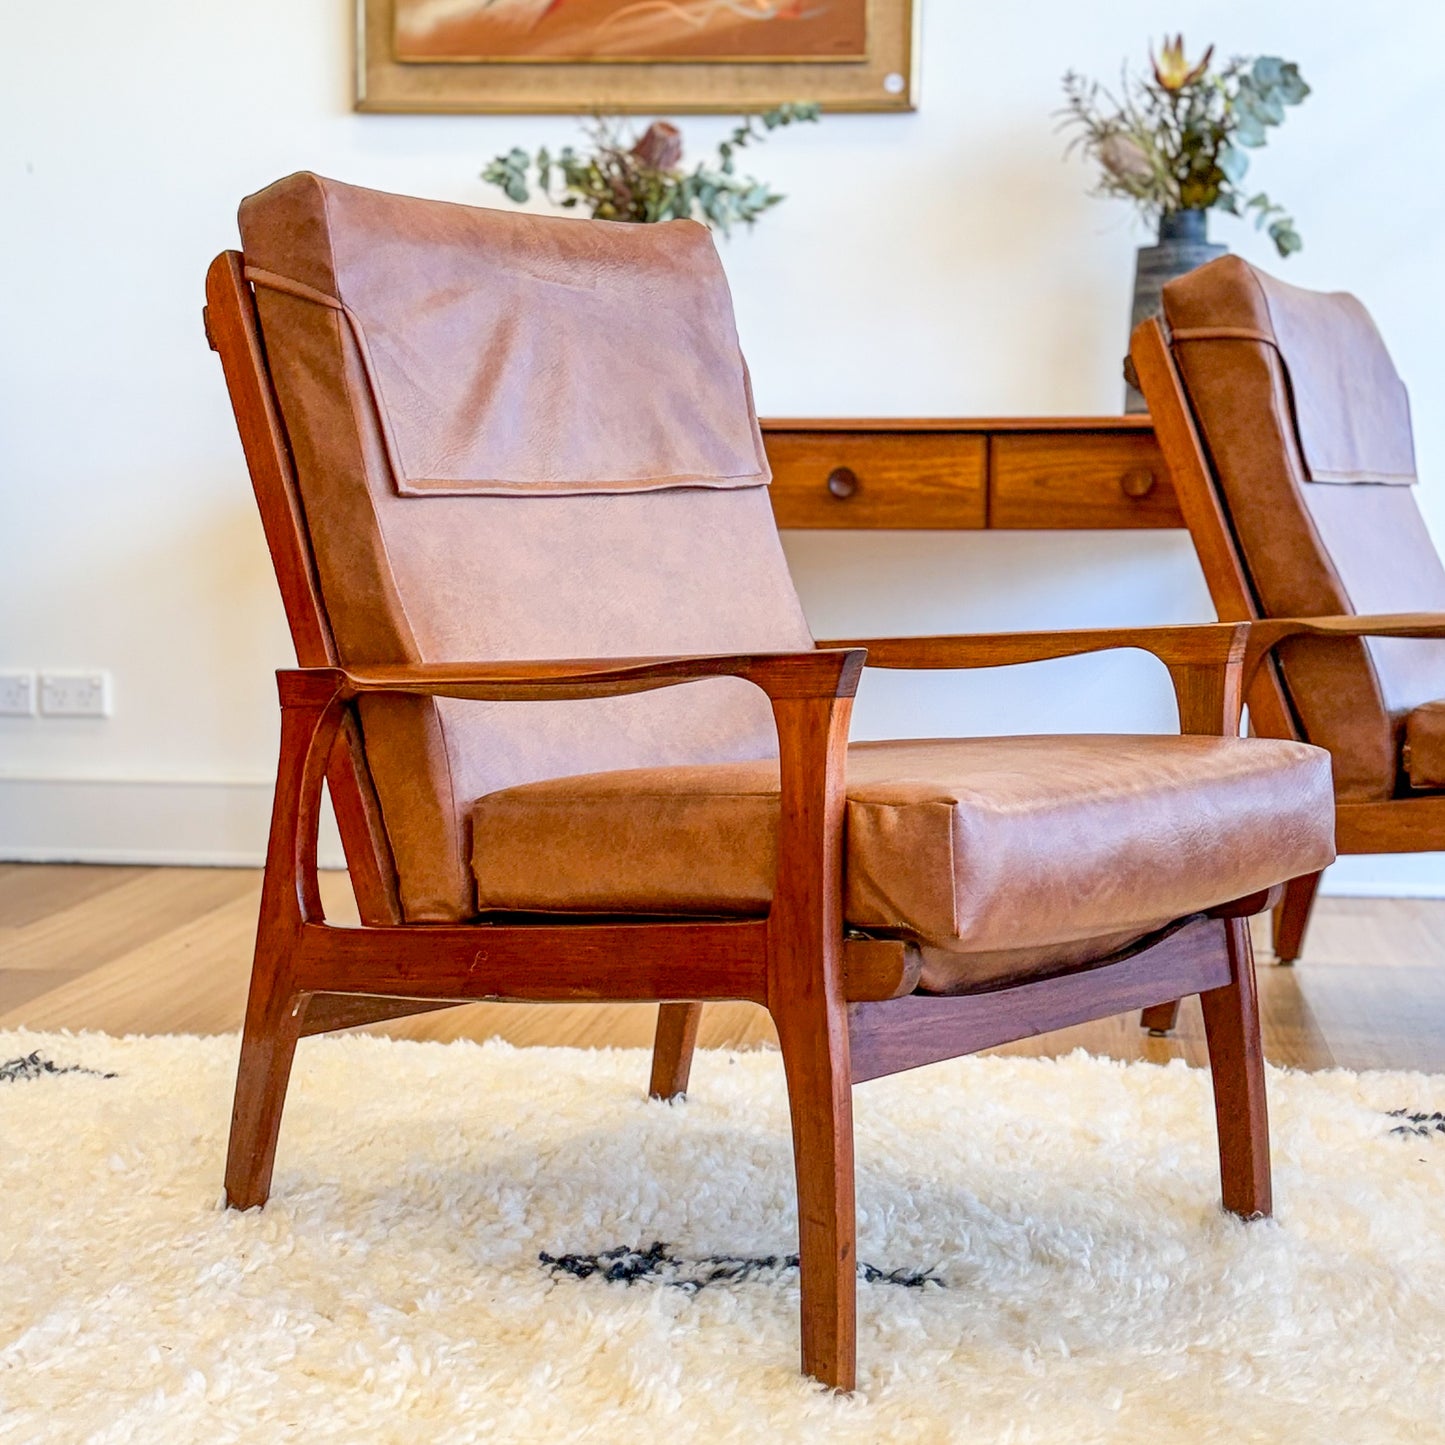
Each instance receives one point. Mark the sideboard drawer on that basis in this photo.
(1048, 480)
(878, 479)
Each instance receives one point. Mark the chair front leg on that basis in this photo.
(813, 1035)
(805, 998)
(1210, 699)
(290, 896)
(1236, 1060)
(274, 1014)
(672, 1049)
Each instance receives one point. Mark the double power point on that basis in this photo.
(55, 694)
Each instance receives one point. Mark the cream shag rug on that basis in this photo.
(483, 1243)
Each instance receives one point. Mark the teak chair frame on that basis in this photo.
(1394, 825)
(845, 1008)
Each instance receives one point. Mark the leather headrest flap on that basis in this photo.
(1351, 410)
(516, 354)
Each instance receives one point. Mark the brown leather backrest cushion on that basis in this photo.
(1307, 427)
(518, 437)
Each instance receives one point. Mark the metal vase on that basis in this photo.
(1183, 244)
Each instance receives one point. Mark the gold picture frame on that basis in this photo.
(881, 79)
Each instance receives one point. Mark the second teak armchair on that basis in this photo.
(1288, 436)
(581, 744)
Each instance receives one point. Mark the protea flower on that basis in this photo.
(1172, 70)
(1124, 157)
(660, 146)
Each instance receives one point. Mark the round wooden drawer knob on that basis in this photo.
(842, 482)
(1137, 484)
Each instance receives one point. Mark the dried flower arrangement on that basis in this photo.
(1178, 141)
(622, 176)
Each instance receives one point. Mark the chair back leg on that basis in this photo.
(1292, 916)
(1236, 1060)
(672, 1049)
(1160, 1018)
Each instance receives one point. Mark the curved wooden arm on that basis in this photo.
(831, 673)
(1210, 644)
(811, 694)
(1266, 634)
(1205, 662)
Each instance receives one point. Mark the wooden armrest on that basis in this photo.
(810, 692)
(832, 673)
(1269, 631)
(1205, 662)
(1208, 644)
(1266, 634)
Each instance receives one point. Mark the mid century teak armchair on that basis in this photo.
(1287, 432)
(484, 442)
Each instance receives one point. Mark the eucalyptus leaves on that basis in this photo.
(626, 177)
(1179, 141)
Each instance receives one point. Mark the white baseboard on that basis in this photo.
(224, 824)
(1387, 875)
(143, 821)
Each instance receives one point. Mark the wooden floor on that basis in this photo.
(168, 950)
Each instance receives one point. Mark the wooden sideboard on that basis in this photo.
(1018, 473)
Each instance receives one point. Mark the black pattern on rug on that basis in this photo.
(631, 1266)
(1415, 1125)
(34, 1066)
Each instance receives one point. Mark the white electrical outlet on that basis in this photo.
(75, 694)
(17, 694)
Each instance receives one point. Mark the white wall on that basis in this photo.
(943, 262)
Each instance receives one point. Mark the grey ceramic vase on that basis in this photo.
(1183, 244)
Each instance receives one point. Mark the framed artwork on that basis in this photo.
(633, 55)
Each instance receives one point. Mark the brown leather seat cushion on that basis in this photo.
(1425, 745)
(980, 846)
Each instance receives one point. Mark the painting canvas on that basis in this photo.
(631, 30)
(658, 57)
